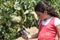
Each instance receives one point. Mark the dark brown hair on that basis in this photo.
(45, 6)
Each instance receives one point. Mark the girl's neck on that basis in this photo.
(47, 17)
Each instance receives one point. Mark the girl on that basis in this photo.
(49, 23)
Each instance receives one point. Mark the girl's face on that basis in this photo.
(41, 15)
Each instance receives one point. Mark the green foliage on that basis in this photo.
(13, 15)
(17, 13)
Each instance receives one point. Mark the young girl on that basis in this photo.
(49, 23)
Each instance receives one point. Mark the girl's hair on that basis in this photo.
(44, 6)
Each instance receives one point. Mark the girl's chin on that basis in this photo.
(42, 19)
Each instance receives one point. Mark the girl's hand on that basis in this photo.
(29, 36)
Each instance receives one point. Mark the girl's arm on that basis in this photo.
(58, 31)
(33, 36)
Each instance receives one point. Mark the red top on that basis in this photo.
(47, 32)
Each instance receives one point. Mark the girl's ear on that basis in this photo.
(45, 12)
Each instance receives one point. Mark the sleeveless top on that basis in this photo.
(47, 32)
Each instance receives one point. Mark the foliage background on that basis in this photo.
(15, 14)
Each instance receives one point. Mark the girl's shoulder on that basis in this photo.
(57, 21)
